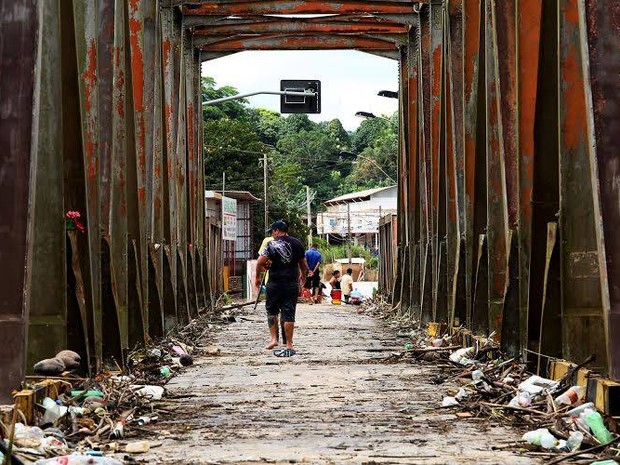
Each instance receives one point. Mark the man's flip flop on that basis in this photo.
(284, 352)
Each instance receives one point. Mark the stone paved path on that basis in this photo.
(334, 402)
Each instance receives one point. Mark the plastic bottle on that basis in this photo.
(575, 412)
(571, 396)
(573, 443)
(595, 421)
(541, 437)
(165, 371)
(522, 399)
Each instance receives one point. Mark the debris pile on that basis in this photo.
(61, 417)
(555, 415)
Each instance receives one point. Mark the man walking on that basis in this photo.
(286, 255)
(314, 259)
(346, 284)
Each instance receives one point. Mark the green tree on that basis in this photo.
(234, 109)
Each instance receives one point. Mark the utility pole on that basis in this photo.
(265, 174)
(349, 232)
(309, 218)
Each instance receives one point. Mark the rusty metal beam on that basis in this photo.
(296, 7)
(18, 52)
(302, 27)
(497, 217)
(528, 31)
(603, 33)
(47, 330)
(285, 42)
(582, 306)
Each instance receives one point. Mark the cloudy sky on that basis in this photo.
(350, 80)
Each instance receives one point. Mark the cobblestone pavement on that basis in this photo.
(334, 402)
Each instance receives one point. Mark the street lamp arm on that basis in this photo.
(261, 92)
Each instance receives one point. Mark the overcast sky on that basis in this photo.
(350, 80)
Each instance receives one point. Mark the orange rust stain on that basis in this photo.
(472, 39)
(89, 76)
(137, 63)
(142, 195)
(573, 113)
(166, 49)
(190, 130)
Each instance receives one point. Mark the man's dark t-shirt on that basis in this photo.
(284, 253)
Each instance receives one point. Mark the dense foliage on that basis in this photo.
(300, 153)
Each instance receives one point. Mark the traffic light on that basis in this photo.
(300, 103)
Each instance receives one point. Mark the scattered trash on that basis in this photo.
(82, 414)
(137, 447)
(449, 402)
(541, 437)
(495, 386)
(78, 459)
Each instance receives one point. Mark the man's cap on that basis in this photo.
(279, 225)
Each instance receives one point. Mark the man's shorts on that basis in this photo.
(316, 279)
(282, 299)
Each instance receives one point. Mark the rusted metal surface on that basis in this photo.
(18, 54)
(603, 45)
(582, 309)
(528, 30)
(513, 146)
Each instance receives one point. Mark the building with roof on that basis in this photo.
(235, 253)
(356, 215)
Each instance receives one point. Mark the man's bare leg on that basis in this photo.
(289, 327)
(273, 331)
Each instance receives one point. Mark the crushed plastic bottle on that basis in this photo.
(573, 443)
(53, 411)
(449, 402)
(541, 437)
(78, 459)
(462, 394)
(571, 396)
(536, 384)
(522, 399)
(575, 412)
(151, 392)
(595, 421)
(463, 356)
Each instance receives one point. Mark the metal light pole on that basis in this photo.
(265, 175)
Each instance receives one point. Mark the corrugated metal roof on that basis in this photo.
(357, 196)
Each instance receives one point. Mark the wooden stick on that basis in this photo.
(586, 451)
(9, 452)
(519, 409)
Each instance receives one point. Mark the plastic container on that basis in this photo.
(595, 421)
(574, 441)
(575, 412)
(89, 393)
(151, 392)
(336, 296)
(463, 355)
(541, 437)
(571, 397)
(522, 399)
(535, 384)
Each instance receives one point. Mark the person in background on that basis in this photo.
(314, 260)
(346, 284)
(288, 267)
(334, 282)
